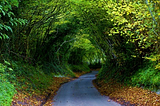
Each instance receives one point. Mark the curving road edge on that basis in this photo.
(81, 92)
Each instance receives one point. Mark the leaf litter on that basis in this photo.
(127, 95)
(44, 98)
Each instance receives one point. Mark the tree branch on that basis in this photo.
(64, 43)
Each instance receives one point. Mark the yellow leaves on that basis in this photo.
(128, 10)
(133, 56)
(134, 21)
(144, 39)
(115, 9)
(116, 32)
(122, 20)
(129, 25)
(109, 34)
(148, 15)
(133, 95)
(154, 58)
(156, 42)
(156, 1)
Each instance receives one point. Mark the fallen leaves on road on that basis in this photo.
(23, 98)
(77, 74)
(127, 95)
(38, 99)
(54, 88)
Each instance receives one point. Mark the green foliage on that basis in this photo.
(7, 89)
(125, 31)
(31, 78)
(80, 68)
(8, 18)
(63, 70)
(32, 41)
(102, 72)
(95, 65)
(105, 71)
(47, 38)
(68, 70)
(89, 52)
(147, 76)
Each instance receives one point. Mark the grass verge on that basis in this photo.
(36, 87)
(37, 99)
(24, 84)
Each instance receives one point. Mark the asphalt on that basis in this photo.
(81, 92)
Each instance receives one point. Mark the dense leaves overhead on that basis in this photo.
(60, 35)
(126, 31)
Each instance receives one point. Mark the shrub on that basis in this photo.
(147, 76)
(80, 68)
(7, 89)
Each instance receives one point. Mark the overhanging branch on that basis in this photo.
(64, 43)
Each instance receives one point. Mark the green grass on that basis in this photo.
(34, 78)
(147, 76)
(23, 77)
(7, 89)
(27, 78)
(58, 70)
(80, 68)
(144, 76)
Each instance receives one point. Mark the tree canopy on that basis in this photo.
(121, 35)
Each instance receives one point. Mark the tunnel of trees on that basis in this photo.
(60, 37)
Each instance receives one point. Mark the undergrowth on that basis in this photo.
(147, 76)
(80, 68)
(143, 76)
(7, 89)
(17, 76)
(63, 69)
(30, 78)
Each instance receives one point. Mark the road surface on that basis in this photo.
(81, 92)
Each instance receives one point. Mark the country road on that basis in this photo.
(81, 92)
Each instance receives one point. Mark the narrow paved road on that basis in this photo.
(81, 92)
